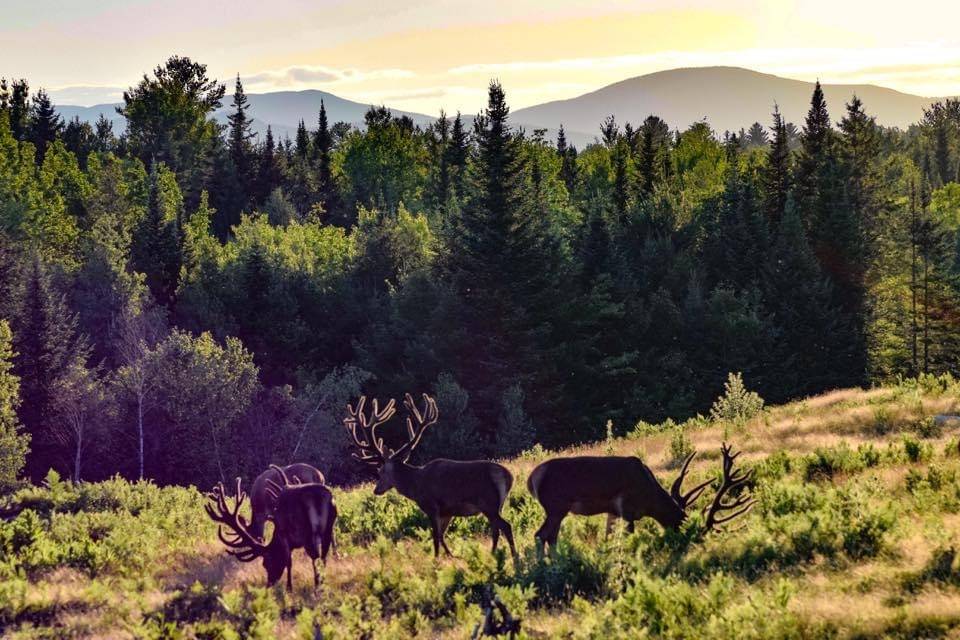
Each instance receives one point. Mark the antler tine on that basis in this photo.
(431, 413)
(283, 474)
(370, 446)
(678, 483)
(719, 512)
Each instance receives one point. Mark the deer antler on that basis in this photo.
(684, 500)
(732, 479)
(428, 417)
(243, 545)
(371, 447)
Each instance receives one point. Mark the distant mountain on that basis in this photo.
(728, 97)
(282, 110)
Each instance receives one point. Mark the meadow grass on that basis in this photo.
(854, 535)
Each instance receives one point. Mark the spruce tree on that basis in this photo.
(503, 265)
(568, 162)
(103, 134)
(440, 181)
(20, 109)
(45, 124)
(47, 345)
(302, 144)
(241, 155)
(323, 151)
(812, 327)
(816, 190)
(156, 246)
(457, 153)
(269, 174)
(776, 173)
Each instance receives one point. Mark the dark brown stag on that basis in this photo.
(624, 487)
(303, 519)
(263, 495)
(442, 488)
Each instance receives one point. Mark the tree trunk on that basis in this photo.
(140, 429)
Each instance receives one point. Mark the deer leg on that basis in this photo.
(494, 530)
(630, 526)
(290, 573)
(610, 519)
(508, 534)
(552, 529)
(442, 524)
(434, 531)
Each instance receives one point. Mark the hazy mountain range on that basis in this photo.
(727, 97)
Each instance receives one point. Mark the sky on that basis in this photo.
(440, 54)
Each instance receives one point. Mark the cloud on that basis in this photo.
(308, 75)
(85, 96)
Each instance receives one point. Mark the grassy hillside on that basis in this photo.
(854, 536)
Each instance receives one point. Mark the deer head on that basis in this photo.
(372, 450)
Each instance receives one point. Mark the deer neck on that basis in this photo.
(408, 481)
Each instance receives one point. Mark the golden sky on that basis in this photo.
(436, 54)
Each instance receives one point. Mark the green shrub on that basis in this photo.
(736, 405)
(680, 447)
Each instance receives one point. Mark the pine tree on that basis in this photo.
(20, 109)
(156, 246)
(47, 345)
(654, 139)
(813, 332)
(441, 184)
(568, 160)
(302, 144)
(503, 265)
(610, 131)
(457, 153)
(269, 175)
(323, 152)
(45, 124)
(241, 155)
(621, 178)
(105, 140)
(776, 174)
(816, 172)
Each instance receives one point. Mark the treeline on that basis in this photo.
(185, 301)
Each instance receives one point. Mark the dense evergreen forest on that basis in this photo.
(184, 302)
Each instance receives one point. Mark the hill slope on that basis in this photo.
(728, 97)
(854, 535)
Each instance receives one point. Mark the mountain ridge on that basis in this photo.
(728, 98)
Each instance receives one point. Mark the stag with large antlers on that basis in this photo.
(303, 519)
(442, 488)
(624, 487)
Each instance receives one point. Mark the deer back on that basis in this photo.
(263, 502)
(589, 485)
(455, 487)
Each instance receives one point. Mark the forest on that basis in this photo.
(185, 302)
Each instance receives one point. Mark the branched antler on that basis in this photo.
(719, 512)
(241, 544)
(424, 419)
(687, 499)
(371, 447)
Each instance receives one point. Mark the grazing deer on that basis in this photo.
(624, 487)
(442, 488)
(263, 501)
(303, 519)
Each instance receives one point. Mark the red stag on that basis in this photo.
(442, 488)
(625, 487)
(263, 500)
(304, 519)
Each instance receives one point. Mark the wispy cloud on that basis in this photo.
(299, 76)
(85, 95)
